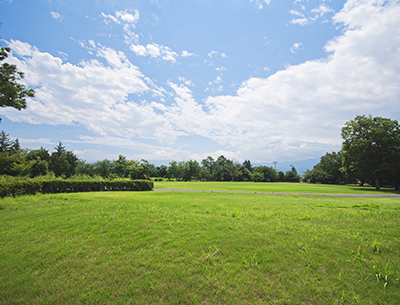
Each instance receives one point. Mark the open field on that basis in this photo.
(275, 187)
(199, 248)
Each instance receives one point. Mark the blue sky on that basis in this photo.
(169, 80)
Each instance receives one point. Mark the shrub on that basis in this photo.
(23, 187)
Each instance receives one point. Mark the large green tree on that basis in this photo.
(371, 149)
(12, 92)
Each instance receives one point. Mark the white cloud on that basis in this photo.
(304, 18)
(296, 13)
(92, 94)
(123, 17)
(260, 3)
(127, 17)
(187, 82)
(155, 51)
(56, 16)
(221, 69)
(300, 21)
(308, 103)
(321, 11)
(187, 54)
(294, 113)
(296, 46)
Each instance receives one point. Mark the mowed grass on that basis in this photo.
(275, 187)
(199, 248)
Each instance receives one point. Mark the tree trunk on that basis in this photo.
(377, 184)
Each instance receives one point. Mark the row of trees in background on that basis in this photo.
(370, 154)
(15, 161)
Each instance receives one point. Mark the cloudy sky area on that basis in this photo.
(184, 79)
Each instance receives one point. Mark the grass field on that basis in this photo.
(274, 187)
(199, 248)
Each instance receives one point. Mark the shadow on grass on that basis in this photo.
(373, 190)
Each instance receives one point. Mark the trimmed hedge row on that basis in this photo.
(31, 187)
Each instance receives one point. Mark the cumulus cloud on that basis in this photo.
(294, 113)
(93, 94)
(307, 104)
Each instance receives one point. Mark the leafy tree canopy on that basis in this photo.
(371, 149)
(12, 92)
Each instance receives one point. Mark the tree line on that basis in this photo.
(15, 161)
(370, 154)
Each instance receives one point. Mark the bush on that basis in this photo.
(24, 187)
(21, 187)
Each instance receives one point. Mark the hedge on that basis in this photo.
(31, 187)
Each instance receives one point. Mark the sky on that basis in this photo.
(162, 80)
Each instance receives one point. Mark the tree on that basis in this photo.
(247, 164)
(41, 153)
(139, 169)
(102, 168)
(328, 170)
(209, 165)
(268, 174)
(12, 92)
(63, 162)
(371, 149)
(38, 168)
(83, 168)
(162, 171)
(191, 170)
(292, 176)
(5, 142)
(120, 167)
(174, 170)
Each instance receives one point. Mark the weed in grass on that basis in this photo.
(376, 246)
(382, 271)
(212, 250)
(358, 254)
(251, 263)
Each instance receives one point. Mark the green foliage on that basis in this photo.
(371, 149)
(328, 170)
(269, 174)
(20, 187)
(191, 170)
(23, 187)
(12, 92)
(102, 168)
(63, 162)
(41, 153)
(13, 165)
(38, 168)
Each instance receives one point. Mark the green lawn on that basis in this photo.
(274, 187)
(199, 248)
